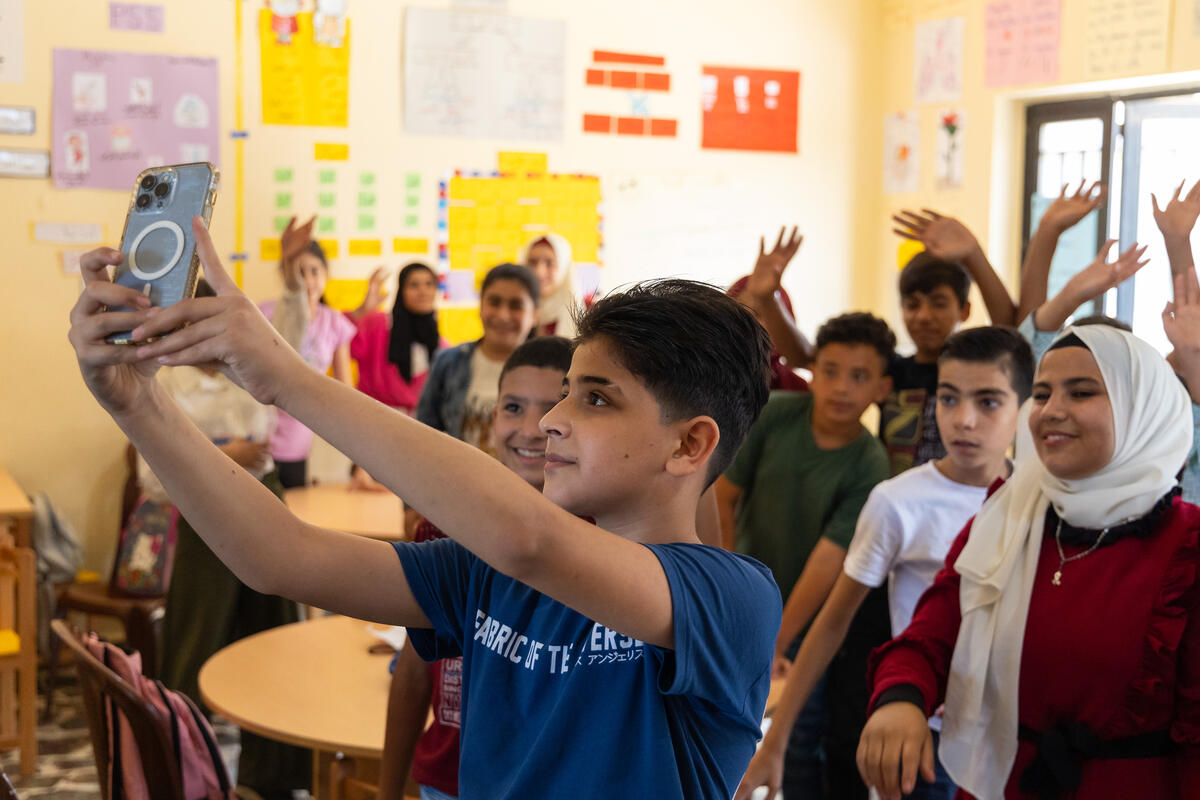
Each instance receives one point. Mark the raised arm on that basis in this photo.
(1176, 222)
(292, 243)
(948, 239)
(762, 296)
(1089, 283)
(614, 581)
(1066, 211)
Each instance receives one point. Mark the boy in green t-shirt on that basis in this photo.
(792, 495)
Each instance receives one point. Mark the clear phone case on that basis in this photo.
(160, 250)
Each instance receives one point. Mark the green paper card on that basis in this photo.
(327, 176)
(412, 201)
(366, 199)
(411, 221)
(326, 199)
(366, 222)
(283, 200)
(283, 175)
(325, 224)
(366, 179)
(281, 224)
(412, 180)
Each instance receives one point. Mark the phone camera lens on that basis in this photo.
(148, 181)
(143, 200)
(162, 189)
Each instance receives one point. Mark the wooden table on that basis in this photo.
(377, 515)
(15, 511)
(312, 684)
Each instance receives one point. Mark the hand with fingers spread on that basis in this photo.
(1179, 216)
(896, 744)
(227, 331)
(114, 373)
(375, 293)
(943, 237)
(1068, 209)
(292, 244)
(1089, 283)
(767, 277)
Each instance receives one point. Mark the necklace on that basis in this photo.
(1062, 557)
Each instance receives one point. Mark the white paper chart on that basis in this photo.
(483, 75)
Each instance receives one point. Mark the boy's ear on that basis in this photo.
(884, 389)
(698, 438)
(965, 311)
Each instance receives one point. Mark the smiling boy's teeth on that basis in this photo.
(529, 453)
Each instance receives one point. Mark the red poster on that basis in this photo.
(750, 109)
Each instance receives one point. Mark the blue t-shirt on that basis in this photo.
(555, 705)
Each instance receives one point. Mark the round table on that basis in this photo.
(377, 515)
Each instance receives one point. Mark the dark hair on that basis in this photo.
(924, 273)
(547, 352)
(512, 272)
(859, 327)
(994, 344)
(204, 288)
(696, 350)
(1103, 319)
(408, 327)
(314, 247)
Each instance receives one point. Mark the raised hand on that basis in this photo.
(1179, 217)
(1098, 277)
(227, 331)
(112, 372)
(767, 276)
(1068, 209)
(944, 237)
(1181, 318)
(376, 291)
(295, 238)
(765, 769)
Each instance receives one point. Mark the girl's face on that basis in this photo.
(508, 314)
(544, 264)
(314, 275)
(420, 292)
(1071, 418)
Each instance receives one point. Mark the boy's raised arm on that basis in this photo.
(948, 239)
(465, 492)
(1176, 221)
(1066, 211)
(1089, 283)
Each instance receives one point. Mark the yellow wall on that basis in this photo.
(54, 438)
(989, 201)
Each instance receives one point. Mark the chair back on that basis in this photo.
(105, 692)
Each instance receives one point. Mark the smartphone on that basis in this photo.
(160, 250)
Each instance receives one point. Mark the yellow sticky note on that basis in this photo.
(268, 250)
(329, 151)
(414, 245)
(345, 294)
(366, 247)
(460, 324)
(330, 246)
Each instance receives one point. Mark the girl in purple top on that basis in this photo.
(323, 342)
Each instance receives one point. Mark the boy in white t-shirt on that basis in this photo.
(909, 522)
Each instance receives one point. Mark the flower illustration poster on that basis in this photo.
(948, 162)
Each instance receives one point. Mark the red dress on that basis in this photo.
(1115, 647)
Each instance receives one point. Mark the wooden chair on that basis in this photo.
(104, 690)
(18, 653)
(141, 617)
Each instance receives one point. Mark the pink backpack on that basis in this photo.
(200, 762)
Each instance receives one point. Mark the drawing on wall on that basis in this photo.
(1022, 42)
(633, 83)
(901, 155)
(111, 121)
(948, 166)
(510, 86)
(295, 56)
(12, 41)
(938, 51)
(136, 17)
(750, 109)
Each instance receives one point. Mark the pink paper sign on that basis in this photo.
(117, 113)
(135, 17)
(1022, 42)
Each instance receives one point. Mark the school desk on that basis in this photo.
(377, 515)
(16, 512)
(314, 684)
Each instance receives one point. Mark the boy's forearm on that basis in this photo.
(407, 712)
(1035, 272)
(820, 573)
(1179, 254)
(787, 339)
(996, 299)
(1053, 314)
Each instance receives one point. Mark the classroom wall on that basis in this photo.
(989, 201)
(55, 439)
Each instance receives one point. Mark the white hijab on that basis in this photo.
(1153, 434)
(559, 305)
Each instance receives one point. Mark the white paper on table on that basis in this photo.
(394, 635)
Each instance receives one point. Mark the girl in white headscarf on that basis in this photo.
(1064, 633)
(549, 258)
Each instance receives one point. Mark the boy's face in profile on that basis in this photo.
(846, 379)
(930, 317)
(526, 394)
(977, 411)
(608, 441)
